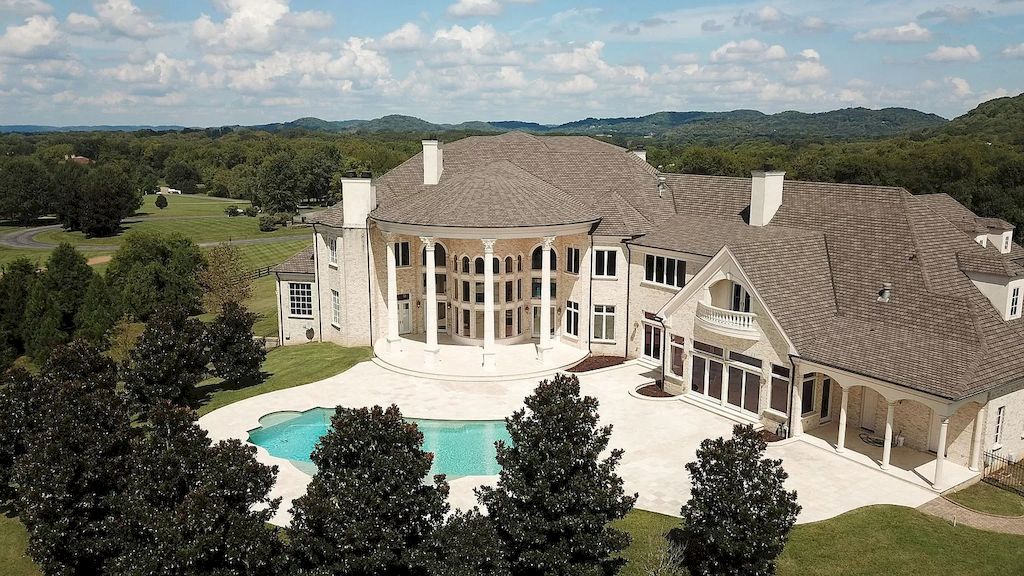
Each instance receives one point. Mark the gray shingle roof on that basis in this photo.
(299, 263)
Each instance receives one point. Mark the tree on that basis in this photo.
(153, 269)
(67, 279)
(68, 194)
(98, 312)
(108, 197)
(168, 361)
(161, 201)
(224, 278)
(276, 187)
(315, 167)
(25, 190)
(466, 545)
(368, 508)
(74, 466)
(739, 514)
(555, 494)
(190, 503)
(16, 283)
(42, 324)
(235, 353)
(182, 176)
(18, 409)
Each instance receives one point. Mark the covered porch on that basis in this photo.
(413, 355)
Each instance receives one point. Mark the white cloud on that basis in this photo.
(808, 71)
(82, 23)
(339, 70)
(910, 32)
(945, 53)
(578, 84)
(34, 37)
(25, 7)
(771, 19)
(468, 8)
(1014, 51)
(951, 13)
(711, 25)
(254, 25)
(810, 54)
(162, 70)
(961, 87)
(992, 94)
(407, 37)
(283, 101)
(751, 50)
(481, 44)
(124, 17)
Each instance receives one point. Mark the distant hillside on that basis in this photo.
(36, 128)
(999, 120)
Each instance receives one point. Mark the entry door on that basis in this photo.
(868, 408)
(404, 317)
(826, 400)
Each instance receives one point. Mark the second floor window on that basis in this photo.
(664, 270)
(572, 260)
(572, 318)
(334, 251)
(401, 254)
(604, 263)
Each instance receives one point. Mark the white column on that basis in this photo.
(979, 423)
(887, 447)
(431, 350)
(940, 455)
(392, 338)
(841, 443)
(488, 302)
(796, 425)
(545, 297)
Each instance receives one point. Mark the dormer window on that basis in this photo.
(1014, 302)
(1006, 244)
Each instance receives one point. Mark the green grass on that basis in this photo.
(13, 541)
(870, 541)
(289, 366)
(260, 255)
(989, 499)
(8, 255)
(187, 205)
(264, 302)
(199, 230)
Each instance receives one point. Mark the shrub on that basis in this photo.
(268, 223)
(153, 269)
(161, 201)
(556, 494)
(251, 211)
(739, 514)
(168, 361)
(235, 354)
(233, 211)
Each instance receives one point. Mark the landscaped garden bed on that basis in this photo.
(654, 390)
(596, 363)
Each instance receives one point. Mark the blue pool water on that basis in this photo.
(460, 447)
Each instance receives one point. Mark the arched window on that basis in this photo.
(440, 256)
(519, 263)
(537, 259)
(465, 264)
(496, 264)
(478, 265)
(508, 265)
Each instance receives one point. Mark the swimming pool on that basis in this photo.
(460, 447)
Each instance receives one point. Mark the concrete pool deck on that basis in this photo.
(659, 437)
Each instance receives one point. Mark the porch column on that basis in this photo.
(841, 442)
(431, 350)
(887, 448)
(545, 297)
(488, 302)
(940, 454)
(796, 425)
(979, 423)
(392, 338)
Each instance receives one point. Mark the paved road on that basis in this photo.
(26, 239)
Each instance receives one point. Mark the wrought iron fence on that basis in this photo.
(1004, 472)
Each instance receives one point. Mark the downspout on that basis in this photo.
(280, 311)
(629, 254)
(369, 280)
(664, 335)
(316, 278)
(590, 298)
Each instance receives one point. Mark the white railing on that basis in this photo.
(729, 319)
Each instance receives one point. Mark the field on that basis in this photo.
(187, 205)
(200, 230)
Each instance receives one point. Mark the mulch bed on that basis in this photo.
(653, 391)
(770, 436)
(597, 362)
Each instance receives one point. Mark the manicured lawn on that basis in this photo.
(13, 541)
(289, 366)
(199, 230)
(987, 498)
(260, 255)
(871, 541)
(187, 205)
(8, 255)
(264, 302)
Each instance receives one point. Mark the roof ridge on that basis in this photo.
(912, 225)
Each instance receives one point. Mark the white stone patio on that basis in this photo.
(658, 436)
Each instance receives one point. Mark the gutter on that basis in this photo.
(369, 282)
(316, 278)
(629, 258)
(280, 311)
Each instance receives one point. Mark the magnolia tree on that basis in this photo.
(739, 514)
(556, 494)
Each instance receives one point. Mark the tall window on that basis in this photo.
(1014, 301)
(706, 373)
(300, 299)
(537, 259)
(744, 388)
(1000, 418)
(1006, 244)
(465, 291)
(664, 270)
(572, 260)
(479, 292)
(335, 308)
(807, 395)
(401, 254)
(604, 322)
(604, 263)
(478, 266)
(740, 298)
(465, 264)
(508, 265)
(780, 388)
(572, 318)
(334, 251)
(652, 341)
(508, 291)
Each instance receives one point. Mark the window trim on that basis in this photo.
(336, 309)
(572, 260)
(332, 256)
(811, 379)
(604, 257)
(651, 268)
(1000, 421)
(572, 318)
(604, 314)
(1014, 301)
(294, 293)
(658, 335)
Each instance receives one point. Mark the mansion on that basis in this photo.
(804, 307)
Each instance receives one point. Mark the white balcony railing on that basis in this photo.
(728, 322)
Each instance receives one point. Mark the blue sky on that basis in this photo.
(215, 62)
